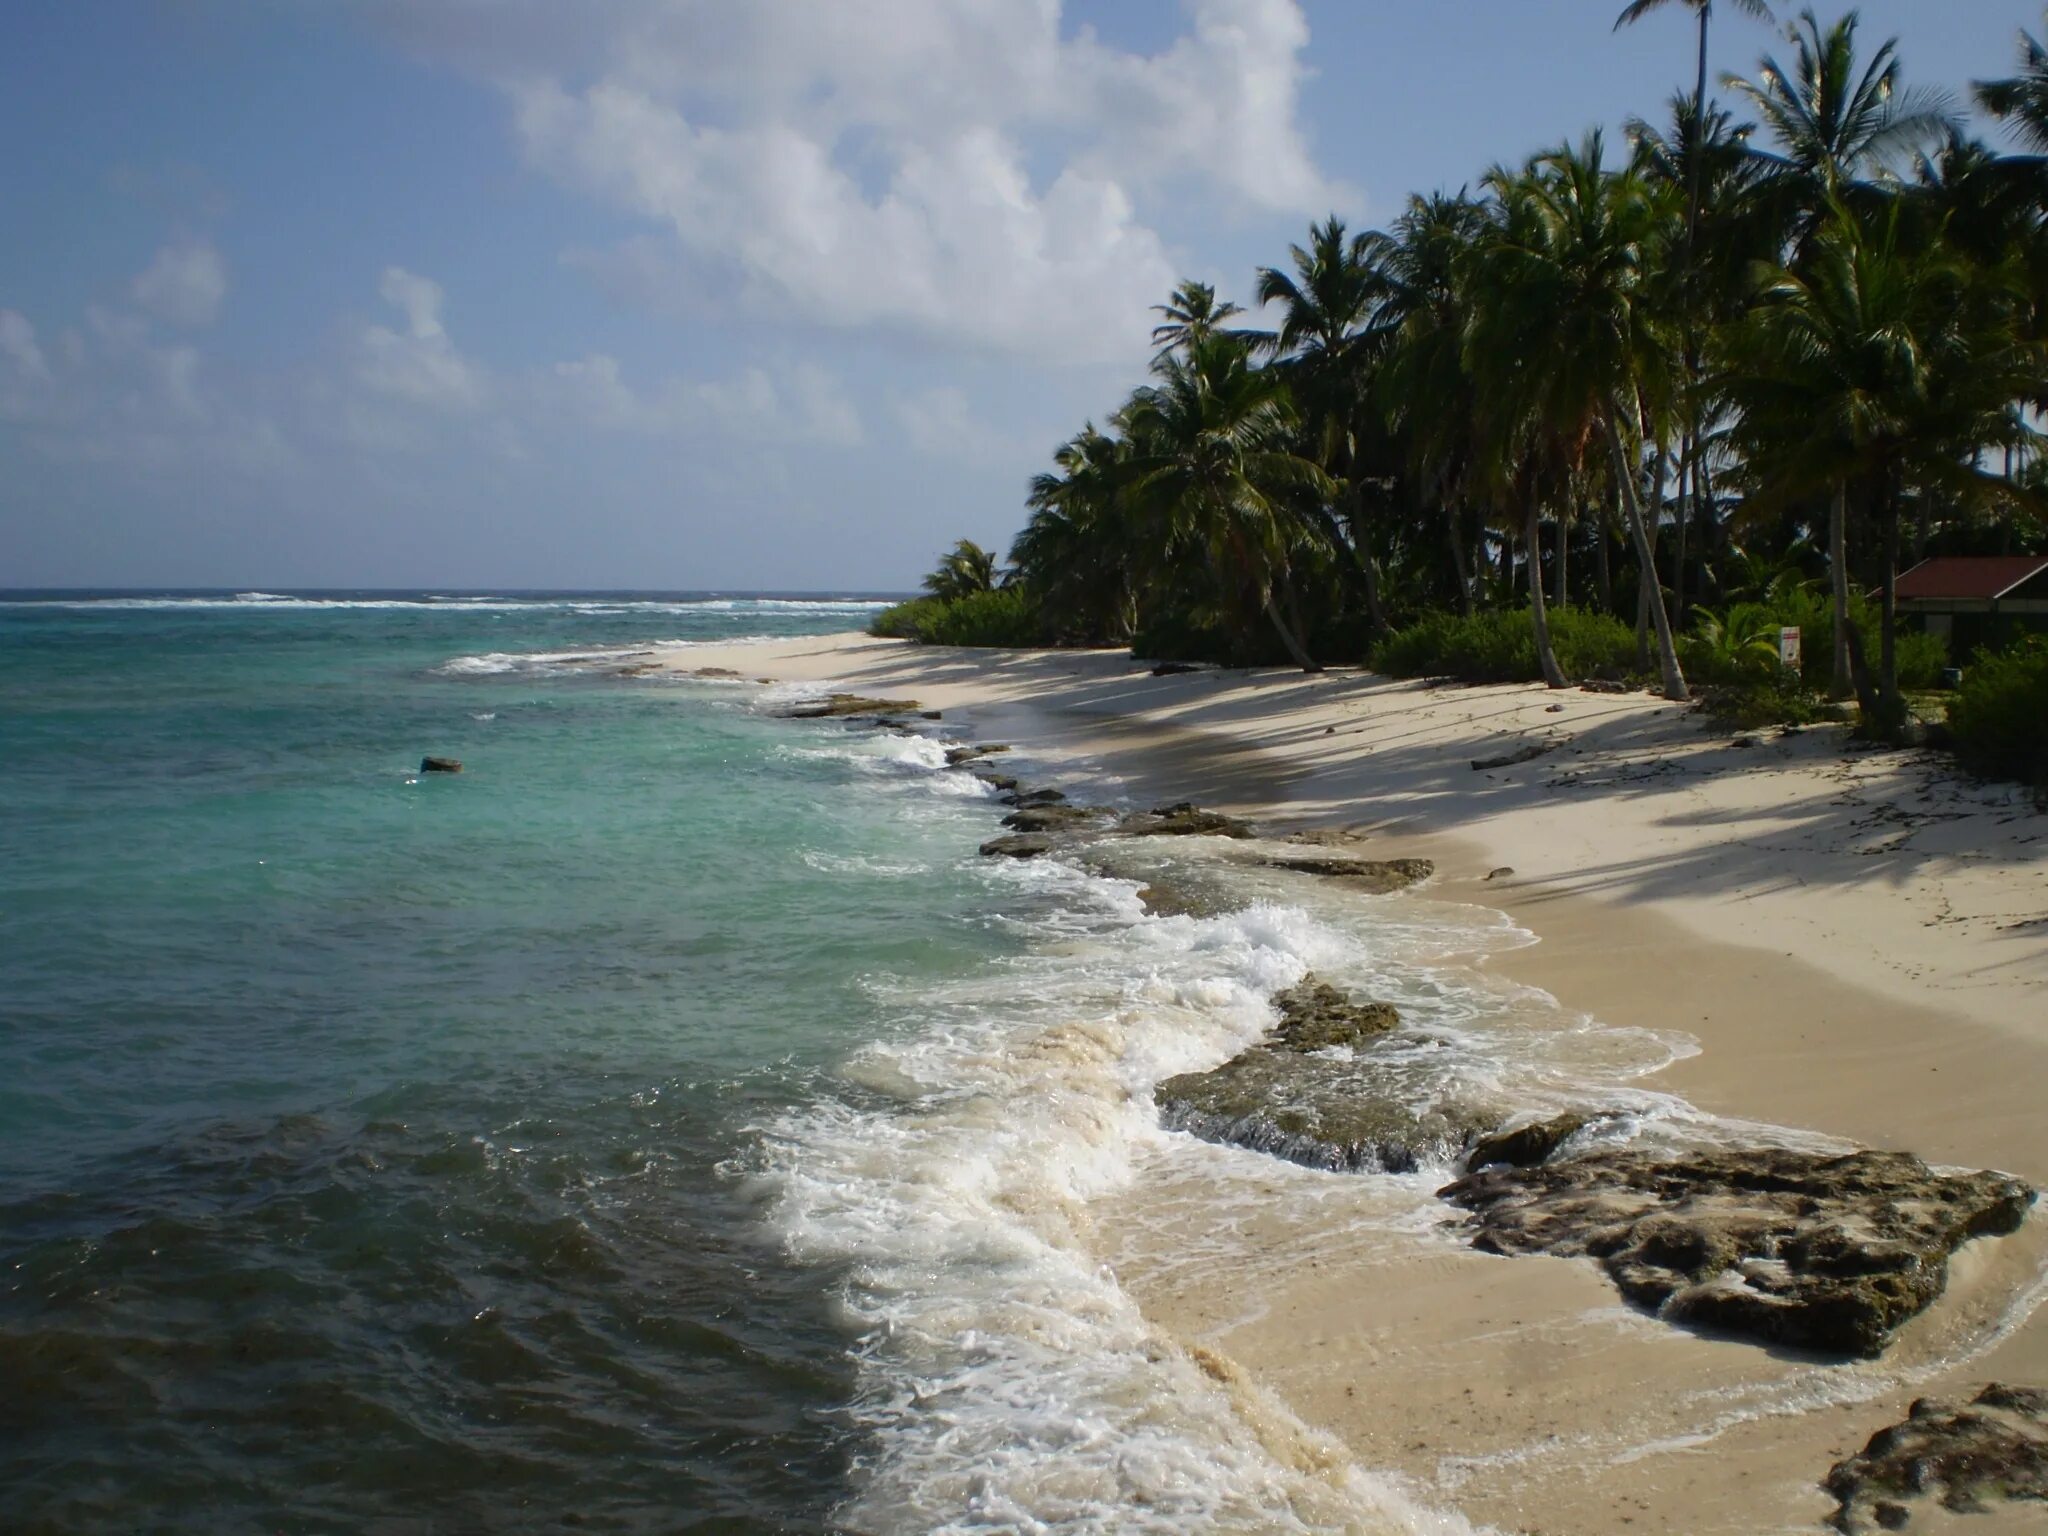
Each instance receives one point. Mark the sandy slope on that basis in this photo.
(1859, 941)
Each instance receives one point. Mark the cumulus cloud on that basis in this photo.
(967, 170)
(419, 365)
(800, 404)
(184, 284)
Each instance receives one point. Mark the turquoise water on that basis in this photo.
(668, 1124)
(361, 1131)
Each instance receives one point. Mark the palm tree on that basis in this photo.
(1326, 306)
(1078, 554)
(1867, 371)
(1835, 124)
(963, 571)
(1190, 316)
(2021, 101)
(1213, 462)
(1564, 340)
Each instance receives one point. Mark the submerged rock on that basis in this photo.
(1185, 819)
(1315, 1016)
(1164, 897)
(1028, 799)
(1831, 1253)
(955, 756)
(440, 765)
(1054, 818)
(1294, 1098)
(1993, 1449)
(1374, 877)
(1527, 1145)
(1018, 845)
(838, 704)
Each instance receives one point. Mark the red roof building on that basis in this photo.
(1975, 580)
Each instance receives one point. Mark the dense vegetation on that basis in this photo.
(1609, 414)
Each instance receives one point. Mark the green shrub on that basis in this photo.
(1499, 646)
(1779, 697)
(1998, 720)
(1003, 617)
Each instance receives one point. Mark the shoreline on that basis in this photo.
(1858, 942)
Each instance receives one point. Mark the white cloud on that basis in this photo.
(418, 366)
(184, 283)
(801, 404)
(959, 169)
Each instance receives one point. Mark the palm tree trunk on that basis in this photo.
(1892, 705)
(1842, 684)
(1546, 658)
(1685, 477)
(1603, 575)
(1562, 524)
(1288, 638)
(1460, 564)
(1667, 649)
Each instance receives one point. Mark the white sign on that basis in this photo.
(1788, 647)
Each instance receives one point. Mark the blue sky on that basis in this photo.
(692, 293)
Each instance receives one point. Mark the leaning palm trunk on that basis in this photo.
(1461, 565)
(1842, 685)
(1667, 649)
(1288, 638)
(1546, 658)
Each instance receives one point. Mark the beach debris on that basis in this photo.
(1554, 709)
(837, 705)
(1822, 1251)
(1018, 845)
(1374, 877)
(1054, 818)
(956, 756)
(1526, 753)
(1962, 1457)
(1528, 1145)
(1183, 819)
(1175, 668)
(1501, 872)
(1604, 685)
(440, 765)
(715, 672)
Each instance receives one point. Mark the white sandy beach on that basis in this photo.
(1857, 940)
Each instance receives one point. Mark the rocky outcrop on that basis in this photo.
(837, 705)
(956, 756)
(1527, 1145)
(1293, 1097)
(1019, 845)
(1315, 1016)
(1964, 1458)
(1027, 799)
(1372, 877)
(1185, 819)
(1831, 1253)
(1055, 818)
(440, 765)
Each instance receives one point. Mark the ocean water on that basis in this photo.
(667, 1124)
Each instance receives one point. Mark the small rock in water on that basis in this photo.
(840, 704)
(1185, 819)
(1500, 873)
(955, 756)
(1028, 799)
(1995, 1448)
(1526, 1146)
(1053, 818)
(1375, 877)
(1019, 845)
(440, 765)
(1315, 1016)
